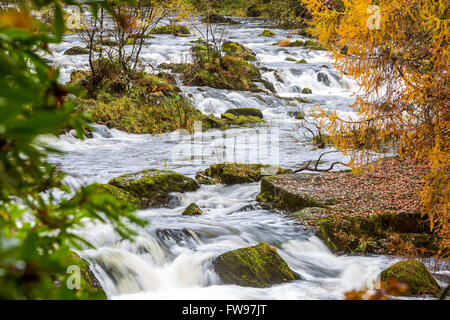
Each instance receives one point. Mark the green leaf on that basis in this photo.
(58, 23)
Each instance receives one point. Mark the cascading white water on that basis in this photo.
(172, 257)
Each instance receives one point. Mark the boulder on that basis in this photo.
(175, 29)
(153, 186)
(306, 91)
(233, 173)
(121, 195)
(267, 33)
(322, 77)
(192, 210)
(415, 275)
(232, 119)
(246, 112)
(259, 266)
(282, 192)
(77, 50)
(238, 50)
(90, 286)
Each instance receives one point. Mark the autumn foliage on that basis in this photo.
(398, 52)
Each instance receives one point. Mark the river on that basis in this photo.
(172, 257)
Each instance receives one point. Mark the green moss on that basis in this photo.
(415, 275)
(297, 43)
(307, 91)
(300, 117)
(192, 210)
(302, 61)
(281, 196)
(245, 112)
(312, 45)
(120, 194)
(90, 288)
(258, 266)
(152, 186)
(175, 29)
(238, 50)
(267, 33)
(232, 173)
(290, 59)
(77, 50)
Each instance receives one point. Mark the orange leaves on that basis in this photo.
(387, 290)
(16, 19)
(404, 74)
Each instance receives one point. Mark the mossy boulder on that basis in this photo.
(290, 59)
(232, 119)
(238, 50)
(302, 61)
(282, 195)
(192, 210)
(175, 29)
(77, 50)
(121, 195)
(153, 186)
(267, 33)
(246, 112)
(415, 275)
(307, 91)
(233, 173)
(90, 286)
(258, 266)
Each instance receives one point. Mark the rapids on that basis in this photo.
(171, 258)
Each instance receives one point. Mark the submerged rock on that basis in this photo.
(258, 266)
(415, 275)
(322, 77)
(233, 173)
(192, 210)
(152, 186)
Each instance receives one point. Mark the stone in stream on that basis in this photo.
(415, 275)
(232, 119)
(121, 195)
(259, 266)
(90, 286)
(322, 77)
(192, 210)
(234, 173)
(76, 50)
(152, 187)
(246, 112)
(238, 50)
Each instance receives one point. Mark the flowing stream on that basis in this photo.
(172, 257)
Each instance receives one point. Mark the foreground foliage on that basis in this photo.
(36, 224)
